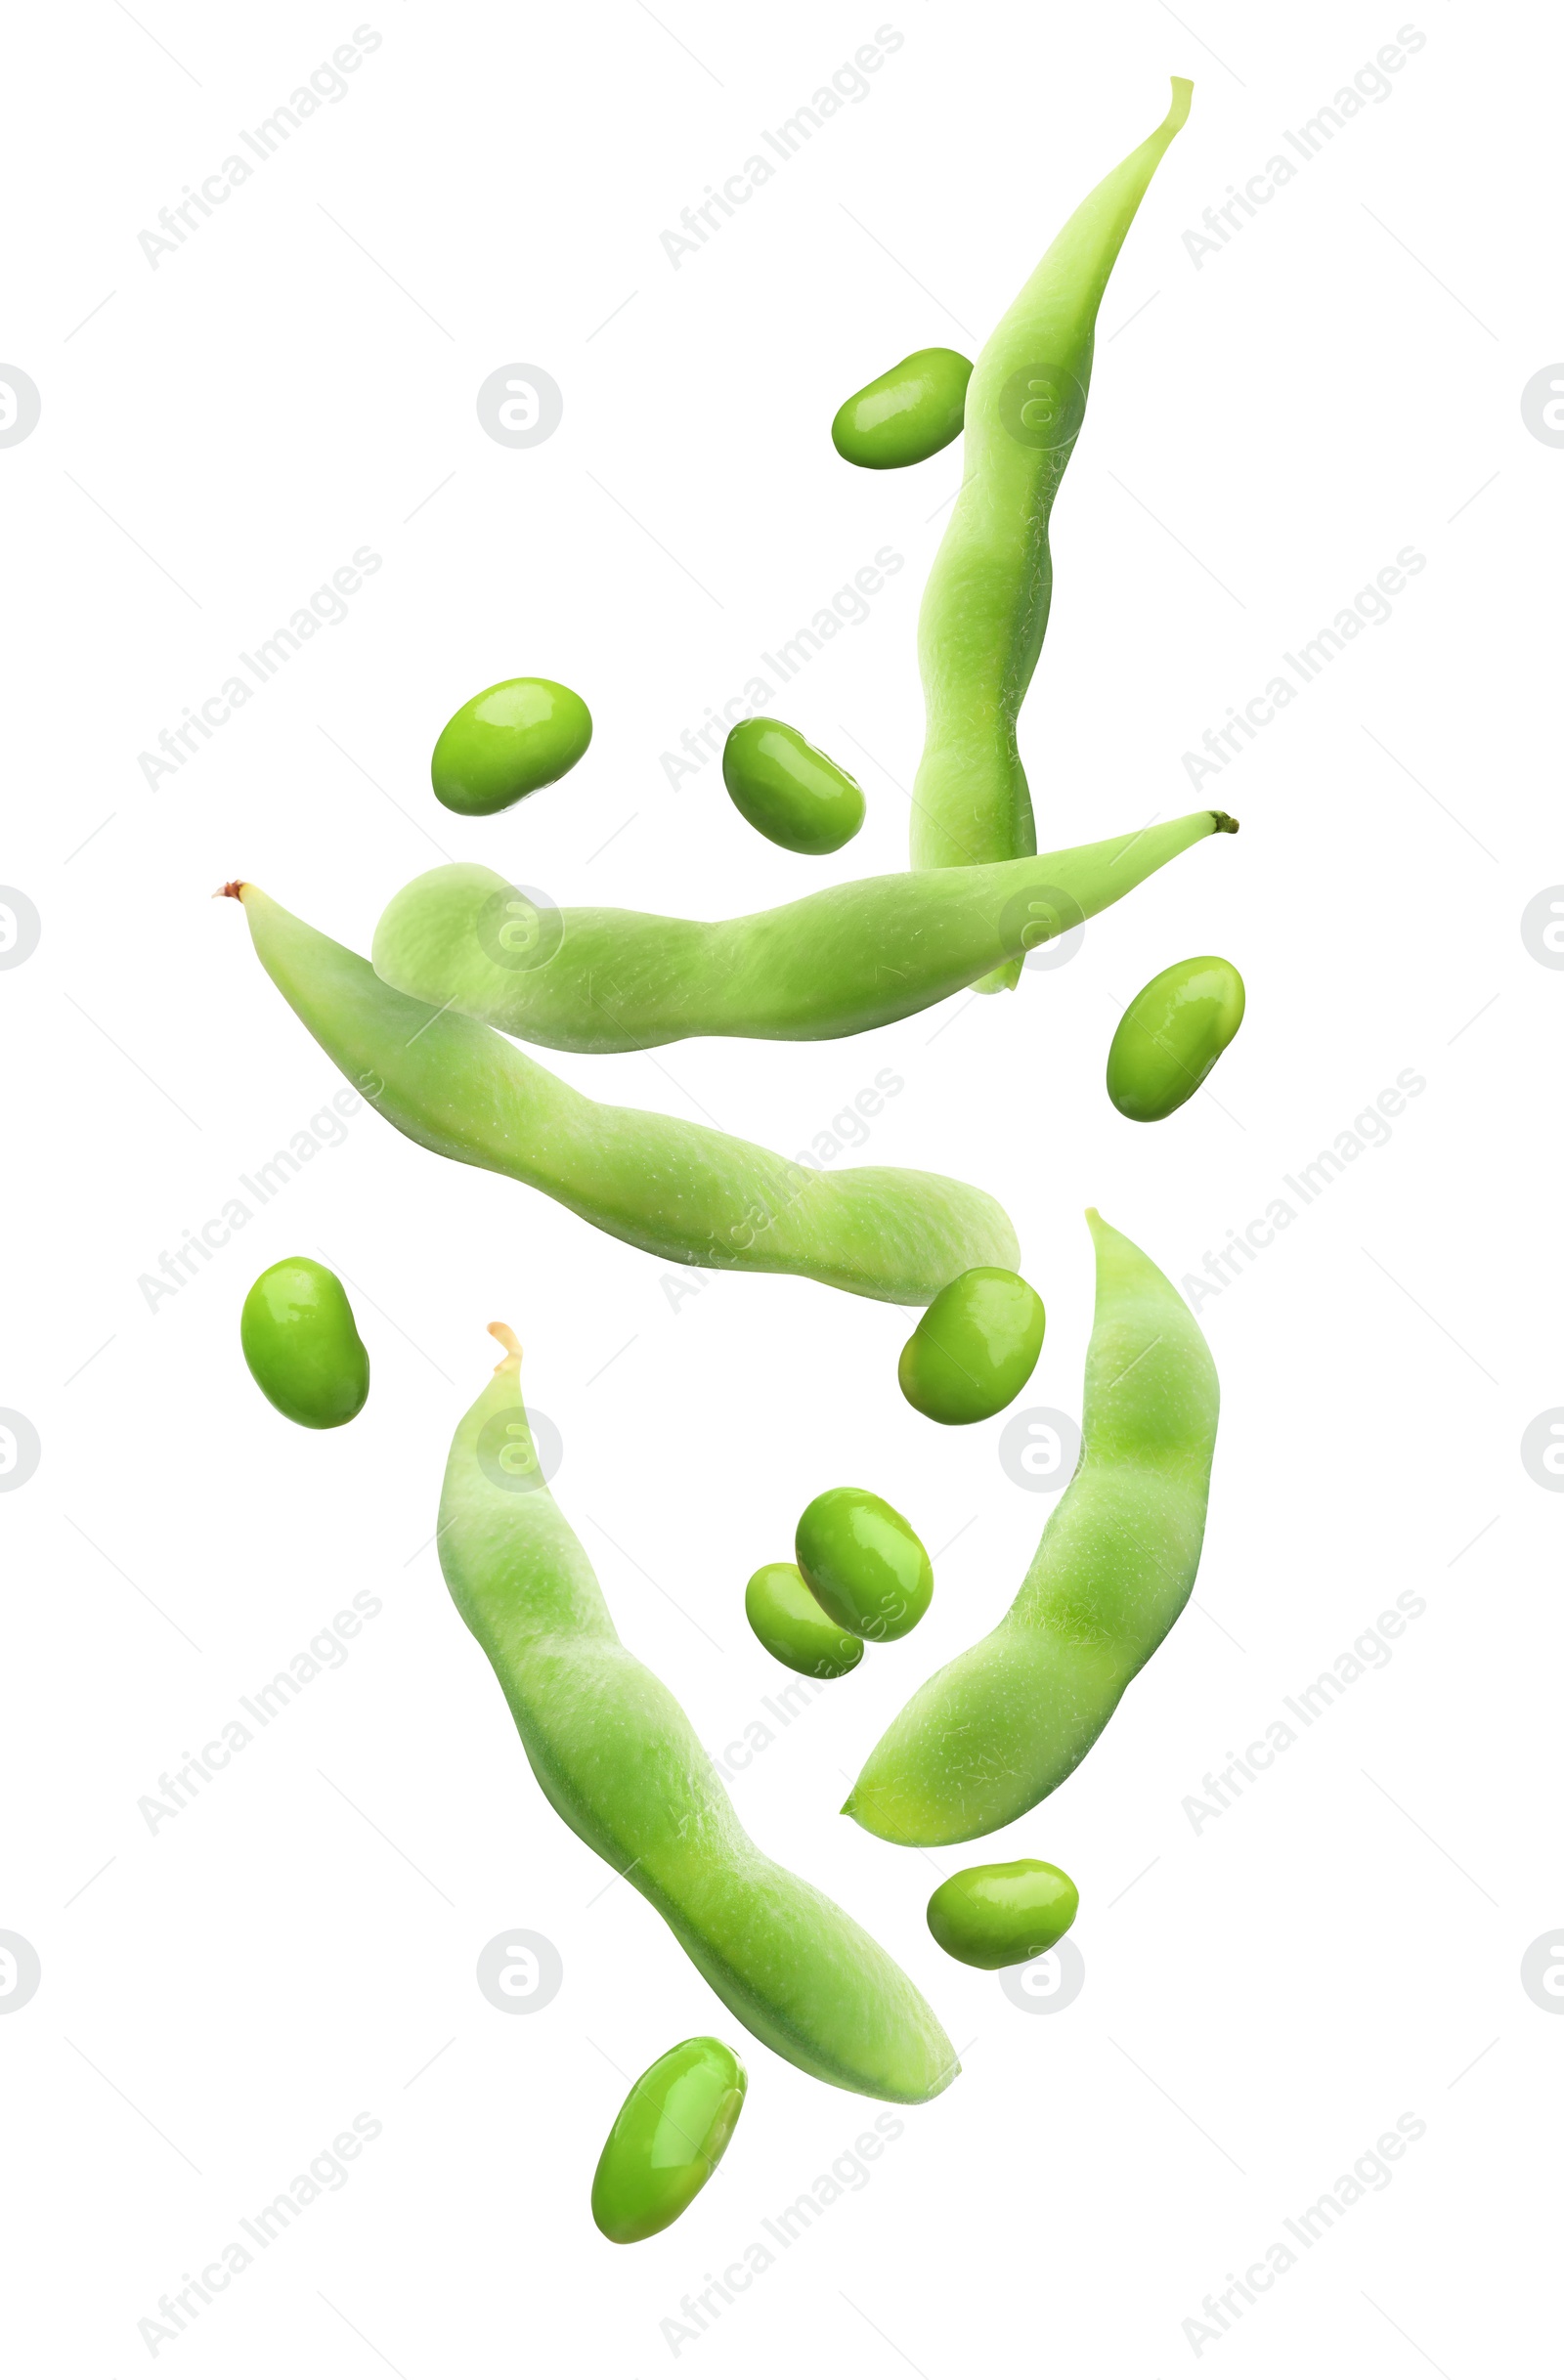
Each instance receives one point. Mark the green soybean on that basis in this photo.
(506, 741)
(907, 414)
(668, 2140)
(976, 1348)
(623, 1768)
(790, 792)
(682, 1191)
(863, 1564)
(839, 961)
(792, 1624)
(1171, 1035)
(302, 1344)
(986, 607)
(989, 1735)
(1004, 1915)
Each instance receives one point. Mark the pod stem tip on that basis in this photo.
(233, 891)
(1223, 823)
(511, 1360)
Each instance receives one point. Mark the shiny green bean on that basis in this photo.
(863, 1564)
(908, 413)
(302, 1344)
(506, 741)
(1004, 1915)
(668, 2140)
(793, 1626)
(976, 1348)
(1171, 1035)
(789, 792)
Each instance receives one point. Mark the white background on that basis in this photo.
(1264, 1997)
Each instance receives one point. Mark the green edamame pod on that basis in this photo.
(1171, 1035)
(668, 2140)
(682, 1191)
(1004, 1915)
(793, 1626)
(789, 792)
(625, 1769)
(986, 607)
(989, 1735)
(506, 741)
(302, 1344)
(907, 414)
(839, 961)
(863, 1564)
(976, 1348)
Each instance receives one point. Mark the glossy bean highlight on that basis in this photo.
(507, 742)
(790, 792)
(1003, 1915)
(668, 2140)
(864, 1564)
(302, 1344)
(1171, 1035)
(794, 1626)
(906, 415)
(976, 1348)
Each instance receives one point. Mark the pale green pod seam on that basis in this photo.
(840, 961)
(621, 1766)
(998, 1728)
(682, 1191)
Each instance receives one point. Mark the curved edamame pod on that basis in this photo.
(623, 1767)
(682, 1191)
(998, 1728)
(840, 961)
(986, 607)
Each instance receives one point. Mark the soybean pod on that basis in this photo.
(621, 1763)
(681, 1192)
(986, 607)
(839, 961)
(998, 1728)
